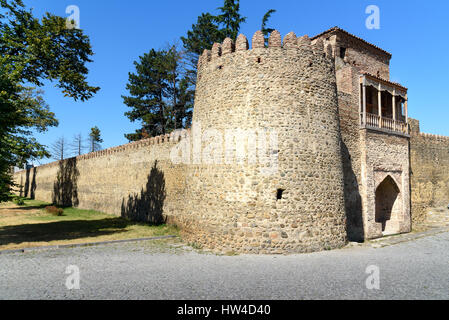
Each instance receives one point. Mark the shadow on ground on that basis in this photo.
(62, 230)
(28, 208)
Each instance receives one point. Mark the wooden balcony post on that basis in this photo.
(364, 103)
(394, 105)
(406, 113)
(394, 109)
(379, 105)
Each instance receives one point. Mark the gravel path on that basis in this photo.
(152, 270)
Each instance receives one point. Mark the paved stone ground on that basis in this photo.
(417, 269)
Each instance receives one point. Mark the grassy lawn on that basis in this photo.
(29, 225)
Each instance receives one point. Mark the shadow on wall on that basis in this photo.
(65, 188)
(353, 200)
(33, 184)
(148, 205)
(27, 183)
(29, 188)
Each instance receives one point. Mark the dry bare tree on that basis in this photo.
(77, 146)
(58, 149)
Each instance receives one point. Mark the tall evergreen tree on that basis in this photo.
(266, 31)
(95, 139)
(179, 92)
(230, 18)
(160, 94)
(146, 92)
(184, 107)
(208, 30)
(202, 36)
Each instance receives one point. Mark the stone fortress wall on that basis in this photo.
(118, 180)
(288, 88)
(294, 203)
(276, 160)
(429, 157)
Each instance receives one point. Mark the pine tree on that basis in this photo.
(161, 94)
(145, 98)
(95, 139)
(230, 18)
(209, 29)
(266, 31)
(202, 36)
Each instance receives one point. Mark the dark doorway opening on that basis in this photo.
(386, 196)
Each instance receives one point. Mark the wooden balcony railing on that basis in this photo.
(374, 121)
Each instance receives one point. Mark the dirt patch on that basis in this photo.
(11, 209)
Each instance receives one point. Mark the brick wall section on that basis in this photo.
(429, 156)
(366, 58)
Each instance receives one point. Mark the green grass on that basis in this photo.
(30, 225)
(29, 203)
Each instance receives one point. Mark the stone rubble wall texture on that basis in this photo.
(325, 166)
(291, 89)
(385, 155)
(429, 157)
(110, 180)
(288, 87)
(351, 153)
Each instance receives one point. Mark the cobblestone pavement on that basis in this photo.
(416, 269)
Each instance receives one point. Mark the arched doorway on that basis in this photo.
(388, 206)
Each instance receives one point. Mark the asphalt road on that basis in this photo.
(413, 270)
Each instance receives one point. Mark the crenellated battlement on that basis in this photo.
(434, 136)
(173, 137)
(290, 42)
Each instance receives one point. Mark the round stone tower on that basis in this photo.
(266, 174)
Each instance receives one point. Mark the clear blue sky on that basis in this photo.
(414, 32)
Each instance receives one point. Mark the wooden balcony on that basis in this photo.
(373, 121)
(383, 105)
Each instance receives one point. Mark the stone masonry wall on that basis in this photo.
(385, 155)
(429, 156)
(348, 104)
(285, 194)
(288, 89)
(136, 180)
(368, 156)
